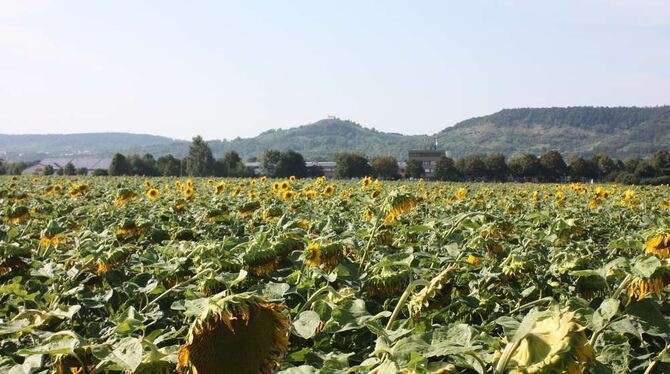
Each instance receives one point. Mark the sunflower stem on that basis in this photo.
(403, 299)
(532, 303)
(376, 227)
(316, 295)
(190, 280)
(507, 355)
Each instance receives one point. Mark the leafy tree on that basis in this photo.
(119, 165)
(69, 169)
(48, 170)
(472, 167)
(82, 171)
(630, 164)
(445, 169)
(661, 162)
(315, 171)
(645, 169)
(414, 169)
(199, 162)
(604, 164)
(496, 167)
(291, 163)
(525, 167)
(581, 168)
(220, 168)
(351, 165)
(100, 172)
(386, 166)
(168, 165)
(3, 168)
(553, 165)
(269, 161)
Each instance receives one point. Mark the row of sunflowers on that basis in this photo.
(164, 275)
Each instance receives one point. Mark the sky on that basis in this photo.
(224, 69)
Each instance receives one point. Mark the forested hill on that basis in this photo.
(619, 132)
(34, 147)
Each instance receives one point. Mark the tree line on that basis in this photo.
(548, 167)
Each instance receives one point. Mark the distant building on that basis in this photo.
(89, 163)
(428, 157)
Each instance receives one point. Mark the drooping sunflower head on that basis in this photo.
(248, 208)
(123, 196)
(219, 188)
(236, 334)
(659, 245)
(287, 245)
(398, 203)
(387, 283)
(17, 214)
(437, 292)
(261, 262)
(556, 343)
(325, 256)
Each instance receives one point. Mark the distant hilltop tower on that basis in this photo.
(428, 156)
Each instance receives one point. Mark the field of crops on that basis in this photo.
(205, 276)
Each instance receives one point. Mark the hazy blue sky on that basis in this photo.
(225, 69)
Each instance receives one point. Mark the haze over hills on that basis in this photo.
(619, 132)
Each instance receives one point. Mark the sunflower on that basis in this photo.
(659, 245)
(113, 259)
(461, 194)
(375, 194)
(180, 204)
(188, 191)
(123, 196)
(327, 257)
(302, 223)
(261, 262)
(473, 260)
(436, 293)
(398, 204)
(288, 195)
(329, 190)
(240, 333)
(218, 189)
(128, 228)
(148, 183)
(18, 214)
(249, 208)
(366, 182)
(152, 194)
(264, 179)
(284, 186)
(556, 343)
(292, 178)
(387, 284)
(368, 215)
(276, 186)
(272, 212)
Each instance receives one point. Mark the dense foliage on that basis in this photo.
(135, 275)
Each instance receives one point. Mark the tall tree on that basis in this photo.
(414, 169)
(581, 168)
(351, 165)
(553, 165)
(386, 167)
(472, 167)
(445, 169)
(291, 164)
(69, 169)
(168, 165)
(496, 167)
(661, 162)
(48, 170)
(119, 165)
(269, 161)
(525, 167)
(199, 162)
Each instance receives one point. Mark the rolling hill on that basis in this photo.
(619, 131)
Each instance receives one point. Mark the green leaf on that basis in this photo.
(647, 310)
(646, 266)
(306, 324)
(608, 309)
(128, 353)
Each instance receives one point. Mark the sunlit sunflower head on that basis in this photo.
(264, 179)
(368, 215)
(276, 186)
(152, 194)
(239, 333)
(329, 190)
(252, 194)
(375, 194)
(210, 182)
(313, 254)
(220, 187)
(188, 191)
(288, 195)
(292, 178)
(148, 183)
(397, 204)
(189, 183)
(180, 204)
(123, 196)
(659, 245)
(284, 186)
(325, 256)
(18, 214)
(461, 194)
(365, 182)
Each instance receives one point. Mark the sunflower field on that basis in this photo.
(135, 275)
